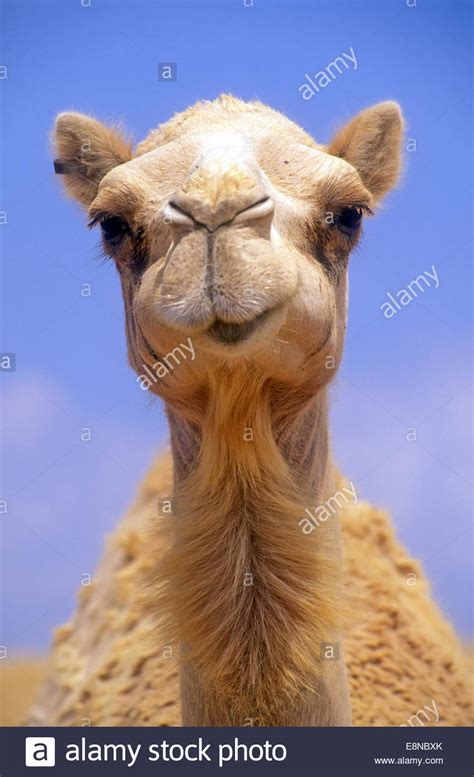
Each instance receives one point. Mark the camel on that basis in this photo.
(217, 603)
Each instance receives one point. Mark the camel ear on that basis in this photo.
(86, 151)
(372, 144)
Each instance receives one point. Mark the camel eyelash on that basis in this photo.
(101, 216)
(366, 209)
(362, 207)
(114, 228)
(96, 219)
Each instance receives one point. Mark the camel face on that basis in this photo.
(234, 257)
(231, 229)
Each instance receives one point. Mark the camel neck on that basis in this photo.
(253, 598)
(232, 425)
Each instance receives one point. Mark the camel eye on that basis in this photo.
(349, 219)
(113, 229)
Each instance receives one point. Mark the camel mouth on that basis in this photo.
(231, 334)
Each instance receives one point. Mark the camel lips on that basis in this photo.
(233, 333)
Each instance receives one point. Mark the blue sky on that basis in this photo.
(410, 371)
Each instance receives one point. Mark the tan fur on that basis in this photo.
(364, 143)
(91, 150)
(231, 180)
(261, 294)
(252, 646)
(216, 113)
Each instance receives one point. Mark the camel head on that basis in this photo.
(231, 230)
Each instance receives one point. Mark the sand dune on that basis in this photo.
(19, 682)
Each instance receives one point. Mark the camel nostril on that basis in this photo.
(257, 210)
(198, 214)
(174, 214)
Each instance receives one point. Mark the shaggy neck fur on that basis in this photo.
(250, 597)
